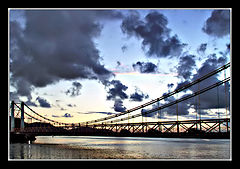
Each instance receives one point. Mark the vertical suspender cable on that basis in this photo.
(177, 114)
(196, 103)
(218, 102)
(177, 107)
(226, 100)
(200, 125)
(199, 113)
(226, 93)
(219, 127)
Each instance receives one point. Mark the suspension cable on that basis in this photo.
(148, 103)
(177, 101)
(181, 88)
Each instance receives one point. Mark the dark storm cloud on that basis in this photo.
(74, 90)
(67, 115)
(218, 24)
(228, 47)
(226, 52)
(181, 84)
(117, 91)
(169, 111)
(180, 108)
(138, 95)
(185, 66)
(30, 103)
(212, 63)
(144, 113)
(214, 98)
(147, 67)
(202, 48)
(154, 32)
(43, 102)
(118, 106)
(56, 45)
(170, 85)
(71, 105)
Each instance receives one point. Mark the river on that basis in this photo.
(106, 147)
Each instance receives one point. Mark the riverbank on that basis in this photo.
(21, 138)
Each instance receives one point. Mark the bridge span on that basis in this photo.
(119, 125)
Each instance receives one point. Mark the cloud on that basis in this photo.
(226, 52)
(154, 32)
(181, 84)
(170, 85)
(185, 66)
(181, 108)
(75, 90)
(99, 112)
(67, 115)
(56, 45)
(202, 48)
(71, 105)
(218, 24)
(117, 91)
(147, 67)
(124, 48)
(214, 98)
(138, 95)
(155, 114)
(55, 116)
(118, 106)
(43, 102)
(210, 64)
(30, 103)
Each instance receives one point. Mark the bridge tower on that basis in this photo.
(12, 117)
(22, 115)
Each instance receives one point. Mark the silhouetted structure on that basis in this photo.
(198, 128)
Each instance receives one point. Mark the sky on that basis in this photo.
(78, 65)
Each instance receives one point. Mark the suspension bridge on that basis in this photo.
(27, 122)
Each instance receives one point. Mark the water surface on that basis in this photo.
(106, 147)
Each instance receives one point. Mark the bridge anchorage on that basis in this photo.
(25, 123)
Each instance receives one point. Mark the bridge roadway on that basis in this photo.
(205, 128)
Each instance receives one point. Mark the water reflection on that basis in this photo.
(29, 151)
(87, 147)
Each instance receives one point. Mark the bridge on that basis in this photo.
(24, 120)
